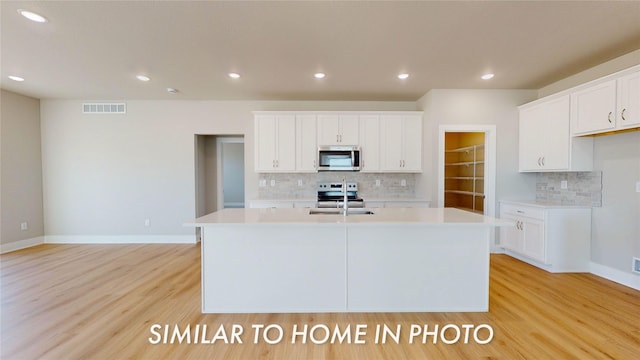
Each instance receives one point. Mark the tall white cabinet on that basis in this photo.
(545, 141)
(401, 143)
(275, 143)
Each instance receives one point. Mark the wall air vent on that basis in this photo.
(104, 108)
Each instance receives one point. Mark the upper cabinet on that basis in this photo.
(608, 105)
(629, 100)
(401, 143)
(545, 142)
(306, 143)
(336, 129)
(275, 143)
(370, 143)
(288, 141)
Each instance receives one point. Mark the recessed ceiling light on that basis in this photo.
(234, 75)
(319, 75)
(403, 76)
(32, 16)
(143, 77)
(16, 78)
(487, 76)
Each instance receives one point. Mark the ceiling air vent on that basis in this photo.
(104, 108)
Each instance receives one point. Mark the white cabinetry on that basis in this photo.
(275, 143)
(609, 105)
(401, 143)
(338, 129)
(545, 142)
(554, 238)
(306, 143)
(370, 143)
(629, 101)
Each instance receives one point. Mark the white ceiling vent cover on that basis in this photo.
(104, 108)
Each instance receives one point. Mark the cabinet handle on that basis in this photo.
(337, 138)
(543, 161)
(539, 159)
(273, 163)
(609, 117)
(622, 114)
(340, 138)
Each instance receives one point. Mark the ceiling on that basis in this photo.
(92, 50)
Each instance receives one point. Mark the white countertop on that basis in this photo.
(404, 216)
(545, 204)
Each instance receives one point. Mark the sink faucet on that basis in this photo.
(345, 200)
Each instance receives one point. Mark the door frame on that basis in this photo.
(489, 165)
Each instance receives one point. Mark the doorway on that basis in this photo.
(219, 174)
(466, 168)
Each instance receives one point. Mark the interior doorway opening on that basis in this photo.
(219, 173)
(467, 167)
(464, 157)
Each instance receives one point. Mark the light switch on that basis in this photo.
(262, 183)
(24, 226)
(403, 182)
(563, 184)
(638, 187)
(377, 182)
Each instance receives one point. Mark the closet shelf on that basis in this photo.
(462, 192)
(465, 163)
(463, 178)
(465, 149)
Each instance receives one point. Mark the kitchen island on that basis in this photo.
(394, 260)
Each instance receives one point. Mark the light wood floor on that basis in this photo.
(99, 301)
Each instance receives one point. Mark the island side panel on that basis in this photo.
(273, 268)
(418, 268)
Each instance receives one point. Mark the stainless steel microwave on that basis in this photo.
(339, 158)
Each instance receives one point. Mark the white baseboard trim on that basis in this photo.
(627, 279)
(120, 239)
(21, 244)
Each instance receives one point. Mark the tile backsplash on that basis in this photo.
(303, 185)
(583, 188)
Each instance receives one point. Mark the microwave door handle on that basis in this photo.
(353, 158)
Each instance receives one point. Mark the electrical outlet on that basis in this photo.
(299, 182)
(564, 184)
(377, 182)
(273, 182)
(146, 222)
(403, 182)
(636, 265)
(24, 226)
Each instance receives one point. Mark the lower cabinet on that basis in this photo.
(554, 238)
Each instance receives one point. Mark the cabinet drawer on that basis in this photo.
(520, 210)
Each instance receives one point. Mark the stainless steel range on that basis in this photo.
(331, 195)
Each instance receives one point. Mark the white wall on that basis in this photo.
(21, 169)
(105, 174)
(477, 107)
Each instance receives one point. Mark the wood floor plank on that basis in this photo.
(100, 301)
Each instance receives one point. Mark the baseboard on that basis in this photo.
(627, 279)
(120, 239)
(21, 244)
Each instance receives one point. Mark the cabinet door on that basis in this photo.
(544, 137)
(391, 142)
(511, 236)
(328, 130)
(412, 143)
(534, 239)
(370, 143)
(286, 143)
(265, 152)
(629, 101)
(349, 133)
(594, 109)
(306, 143)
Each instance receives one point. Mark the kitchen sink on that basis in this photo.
(325, 211)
